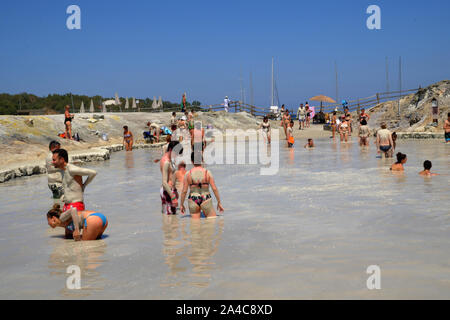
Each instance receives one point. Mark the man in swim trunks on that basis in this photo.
(54, 174)
(72, 180)
(447, 128)
(168, 193)
(384, 141)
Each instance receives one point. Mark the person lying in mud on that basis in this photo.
(310, 144)
(198, 180)
(72, 181)
(93, 224)
(427, 170)
(401, 160)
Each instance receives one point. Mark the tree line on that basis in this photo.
(55, 103)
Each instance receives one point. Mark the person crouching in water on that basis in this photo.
(93, 224)
(364, 133)
(72, 181)
(401, 160)
(127, 139)
(290, 135)
(427, 170)
(198, 180)
(310, 144)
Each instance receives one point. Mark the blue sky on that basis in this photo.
(152, 48)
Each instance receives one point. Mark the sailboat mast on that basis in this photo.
(272, 82)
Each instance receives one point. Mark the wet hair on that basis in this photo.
(198, 125)
(427, 165)
(334, 113)
(55, 211)
(62, 153)
(394, 136)
(182, 164)
(400, 157)
(266, 118)
(54, 144)
(364, 122)
(174, 113)
(448, 115)
(292, 122)
(125, 127)
(383, 126)
(173, 127)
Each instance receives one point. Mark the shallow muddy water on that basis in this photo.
(309, 232)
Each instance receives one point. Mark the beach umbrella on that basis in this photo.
(91, 108)
(82, 107)
(322, 99)
(134, 103)
(154, 103)
(160, 103)
(127, 104)
(116, 100)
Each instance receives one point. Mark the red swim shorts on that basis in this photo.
(78, 205)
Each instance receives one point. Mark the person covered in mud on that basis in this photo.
(363, 116)
(127, 139)
(401, 160)
(198, 180)
(68, 123)
(265, 128)
(168, 193)
(54, 175)
(92, 224)
(384, 141)
(364, 134)
(427, 165)
(198, 142)
(72, 180)
(310, 144)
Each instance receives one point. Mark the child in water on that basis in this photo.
(310, 144)
(290, 135)
(401, 160)
(427, 167)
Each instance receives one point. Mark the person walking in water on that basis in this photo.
(364, 133)
(265, 128)
(93, 224)
(226, 104)
(54, 174)
(68, 123)
(198, 180)
(301, 116)
(127, 139)
(72, 180)
(290, 135)
(168, 193)
(344, 130)
(384, 141)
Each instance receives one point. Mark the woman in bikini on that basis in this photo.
(198, 180)
(68, 123)
(401, 160)
(265, 128)
(127, 139)
(92, 223)
(286, 122)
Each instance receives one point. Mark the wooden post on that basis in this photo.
(378, 98)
